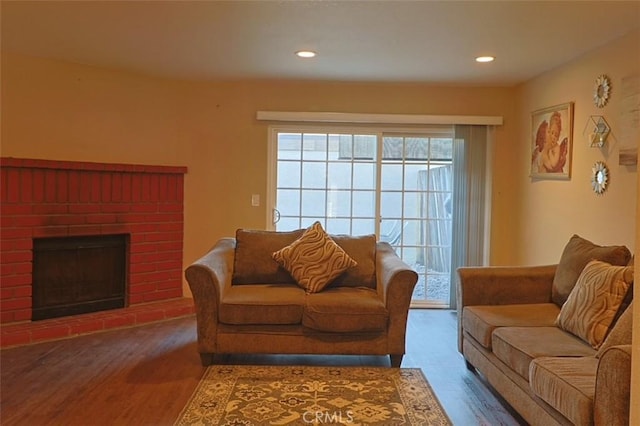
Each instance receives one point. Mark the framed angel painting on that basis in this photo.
(552, 142)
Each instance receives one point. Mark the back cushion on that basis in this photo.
(621, 332)
(362, 249)
(253, 263)
(629, 297)
(575, 256)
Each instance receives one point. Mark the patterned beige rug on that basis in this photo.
(294, 395)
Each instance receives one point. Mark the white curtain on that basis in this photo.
(471, 200)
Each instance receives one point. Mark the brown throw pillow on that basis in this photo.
(314, 260)
(577, 253)
(594, 301)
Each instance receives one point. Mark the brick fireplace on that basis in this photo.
(43, 199)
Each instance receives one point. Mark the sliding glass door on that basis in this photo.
(396, 185)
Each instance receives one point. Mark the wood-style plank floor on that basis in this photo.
(145, 375)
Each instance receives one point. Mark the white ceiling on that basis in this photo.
(391, 41)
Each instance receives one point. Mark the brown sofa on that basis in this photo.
(526, 330)
(247, 303)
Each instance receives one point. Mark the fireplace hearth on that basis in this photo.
(77, 275)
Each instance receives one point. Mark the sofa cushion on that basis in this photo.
(253, 262)
(575, 256)
(594, 301)
(480, 321)
(262, 304)
(567, 384)
(362, 249)
(314, 259)
(345, 309)
(620, 334)
(518, 346)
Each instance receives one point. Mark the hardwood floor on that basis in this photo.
(145, 375)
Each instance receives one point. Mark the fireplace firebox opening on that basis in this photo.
(77, 275)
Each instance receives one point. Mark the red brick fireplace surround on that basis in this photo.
(42, 198)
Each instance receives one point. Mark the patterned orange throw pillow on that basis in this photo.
(314, 259)
(594, 301)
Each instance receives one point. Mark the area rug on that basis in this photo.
(299, 395)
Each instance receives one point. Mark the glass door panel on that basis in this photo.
(415, 186)
(331, 178)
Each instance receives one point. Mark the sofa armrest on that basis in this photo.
(613, 387)
(207, 278)
(395, 283)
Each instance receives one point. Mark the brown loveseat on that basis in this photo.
(554, 341)
(247, 303)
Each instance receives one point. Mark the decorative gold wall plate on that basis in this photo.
(598, 131)
(599, 177)
(601, 91)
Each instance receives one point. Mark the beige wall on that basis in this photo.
(62, 111)
(549, 212)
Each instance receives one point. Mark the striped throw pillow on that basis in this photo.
(594, 301)
(314, 259)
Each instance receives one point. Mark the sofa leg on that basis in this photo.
(470, 366)
(206, 359)
(396, 360)
(210, 359)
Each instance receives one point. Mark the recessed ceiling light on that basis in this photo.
(306, 53)
(485, 59)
